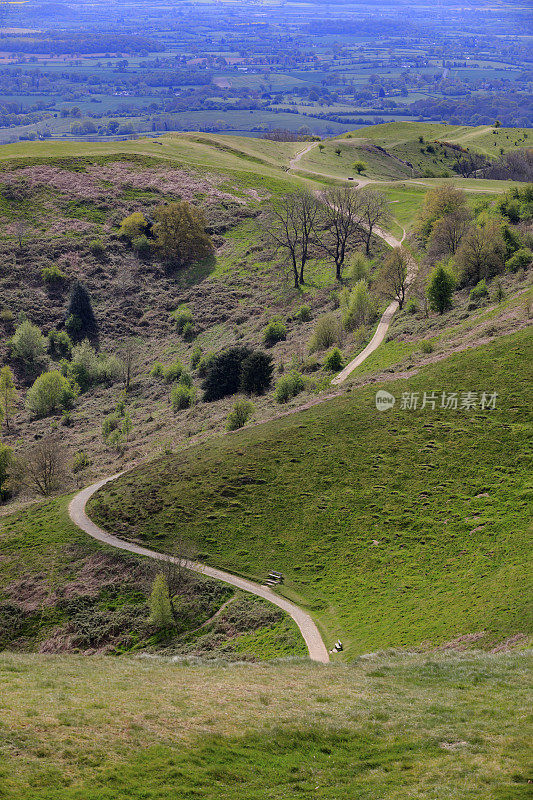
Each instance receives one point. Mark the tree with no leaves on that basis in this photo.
(292, 227)
(342, 215)
(129, 352)
(481, 254)
(43, 467)
(392, 279)
(448, 232)
(374, 208)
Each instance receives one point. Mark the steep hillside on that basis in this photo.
(61, 207)
(384, 529)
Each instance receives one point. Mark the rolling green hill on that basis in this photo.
(394, 529)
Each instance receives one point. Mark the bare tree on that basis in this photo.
(481, 254)
(292, 227)
(374, 210)
(448, 232)
(129, 351)
(20, 228)
(43, 466)
(393, 276)
(180, 579)
(342, 215)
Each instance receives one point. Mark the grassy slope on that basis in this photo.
(61, 590)
(310, 494)
(392, 726)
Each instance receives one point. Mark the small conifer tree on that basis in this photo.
(80, 319)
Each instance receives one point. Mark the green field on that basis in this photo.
(394, 726)
(375, 568)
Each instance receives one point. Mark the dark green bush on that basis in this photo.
(223, 374)
(334, 360)
(275, 331)
(256, 373)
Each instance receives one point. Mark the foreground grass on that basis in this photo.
(394, 726)
(393, 529)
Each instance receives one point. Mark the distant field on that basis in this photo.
(371, 569)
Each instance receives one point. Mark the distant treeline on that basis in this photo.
(387, 27)
(75, 43)
(512, 110)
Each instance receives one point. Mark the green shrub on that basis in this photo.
(520, 260)
(158, 370)
(142, 246)
(334, 360)
(411, 307)
(239, 415)
(188, 333)
(7, 463)
(53, 275)
(7, 317)
(223, 375)
(275, 331)
(288, 387)
(326, 333)
(133, 226)
(196, 356)
(117, 427)
(59, 344)
(109, 368)
(304, 314)
(51, 392)
(256, 373)
(97, 248)
(358, 306)
(479, 293)
(81, 322)
(173, 372)
(181, 317)
(358, 267)
(204, 364)
(426, 346)
(81, 461)
(181, 397)
(28, 344)
(84, 367)
(186, 379)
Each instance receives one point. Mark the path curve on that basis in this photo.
(77, 513)
(385, 321)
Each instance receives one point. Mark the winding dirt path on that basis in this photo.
(77, 513)
(385, 321)
(313, 640)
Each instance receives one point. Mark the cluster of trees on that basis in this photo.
(176, 232)
(304, 226)
(468, 248)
